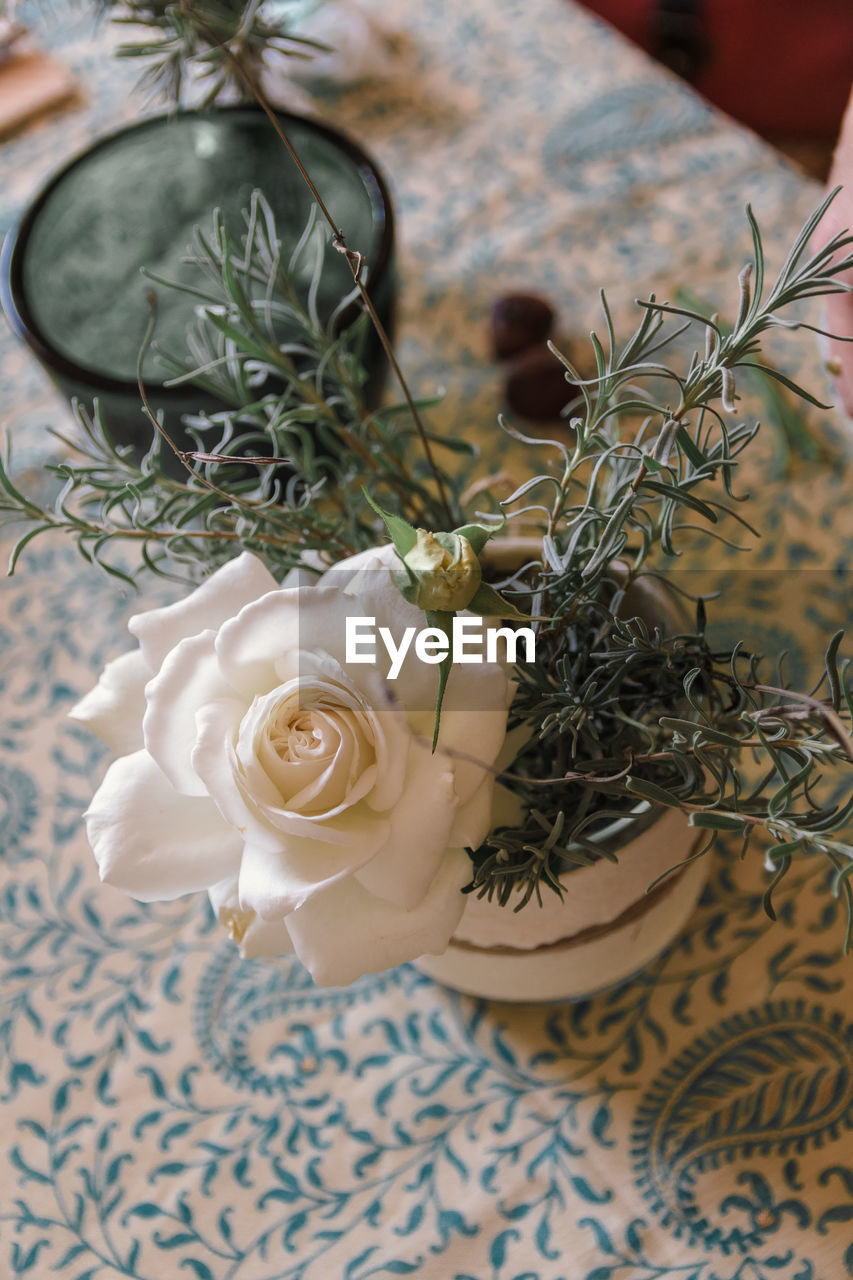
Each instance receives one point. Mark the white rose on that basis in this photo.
(301, 793)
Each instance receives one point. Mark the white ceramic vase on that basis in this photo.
(610, 922)
(606, 928)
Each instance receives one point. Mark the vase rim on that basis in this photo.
(13, 299)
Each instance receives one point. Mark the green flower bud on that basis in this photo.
(445, 569)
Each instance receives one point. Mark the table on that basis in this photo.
(171, 1111)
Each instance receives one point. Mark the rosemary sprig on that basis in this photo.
(618, 713)
(623, 489)
(295, 388)
(205, 37)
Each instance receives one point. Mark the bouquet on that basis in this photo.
(391, 692)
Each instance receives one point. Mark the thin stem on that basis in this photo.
(355, 260)
(827, 713)
(183, 456)
(579, 775)
(180, 454)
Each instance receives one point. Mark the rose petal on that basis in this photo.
(318, 786)
(345, 570)
(365, 583)
(345, 931)
(254, 936)
(217, 725)
(188, 679)
(223, 895)
(115, 707)
(481, 699)
(218, 598)
(364, 586)
(274, 883)
(391, 738)
(152, 842)
(297, 779)
(345, 830)
(253, 811)
(481, 689)
(419, 828)
(307, 574)
(343, 827)
(343, 823)
(286, 624)
(472, 821)
(266, 938)
(341, 776)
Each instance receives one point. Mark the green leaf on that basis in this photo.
(786, 382)
(245, 341)
(779, 851)
(783, 863)
(758, 260)
(688, 448)
(651, 791)
(444, 622)
(832, 670)
(609, 543)
(652, 464)
(837, 819)
(478, 534)
(782, 799)
(690, 729)
(710, 821)
(22, 542)
(683, 496)
(491, 604)
(402, 534)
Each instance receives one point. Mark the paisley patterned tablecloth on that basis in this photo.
(169, 1111)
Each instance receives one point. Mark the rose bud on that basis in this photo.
(519, 320)
(537, 386)
(446, 570)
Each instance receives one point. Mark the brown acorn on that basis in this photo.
(536, 386)
(519, 320)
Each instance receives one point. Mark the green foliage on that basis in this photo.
(626, 710)
(622, 716)
(296, 390)
(626, 490)
(630, 719)
(222, 41)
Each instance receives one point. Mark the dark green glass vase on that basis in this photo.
(71, 282)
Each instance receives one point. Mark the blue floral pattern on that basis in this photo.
(171, 1111)
(771, 1080)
